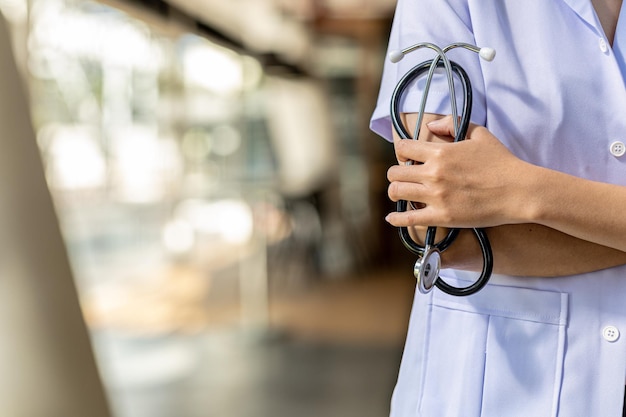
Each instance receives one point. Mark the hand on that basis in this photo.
(472, 183)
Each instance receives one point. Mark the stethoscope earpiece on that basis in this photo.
(396, 56)
(488, 54)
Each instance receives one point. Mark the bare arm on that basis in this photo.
(540, 222)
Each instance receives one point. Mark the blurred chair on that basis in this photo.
(48, 368)
(302, 134)
(304, 142)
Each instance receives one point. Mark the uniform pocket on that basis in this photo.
(498, 353)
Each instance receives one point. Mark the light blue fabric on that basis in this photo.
(555, 96)
(530, 323)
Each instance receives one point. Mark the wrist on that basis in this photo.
(541, 194)
(531, 191)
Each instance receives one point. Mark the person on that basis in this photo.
(543, 169)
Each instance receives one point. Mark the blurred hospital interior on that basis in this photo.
(192, 217)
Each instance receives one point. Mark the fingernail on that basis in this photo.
(436, 123)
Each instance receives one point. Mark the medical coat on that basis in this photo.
(555, 96)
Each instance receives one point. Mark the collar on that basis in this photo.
(584, 9)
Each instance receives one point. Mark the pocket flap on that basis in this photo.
(510, 302)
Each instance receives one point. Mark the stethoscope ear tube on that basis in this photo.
(430, 247)
(412, 75)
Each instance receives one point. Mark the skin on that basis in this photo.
(608, 12)
(540, 222)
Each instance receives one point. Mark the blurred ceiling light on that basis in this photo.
(265, 29)
(75, 158)
(208, 66)
(236, 225)
(230, 220)
(15, 11)
(178, 237)
(259, 24)
(114, 38)
(130, 44)
(142, 163)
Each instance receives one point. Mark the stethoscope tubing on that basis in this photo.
(461, 127)
(485, 274)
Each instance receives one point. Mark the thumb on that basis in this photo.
(442, 127)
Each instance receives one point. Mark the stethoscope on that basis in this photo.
(428, 264)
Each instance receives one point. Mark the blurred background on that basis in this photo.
(221, 199)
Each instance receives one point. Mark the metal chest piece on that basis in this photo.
(426, 269)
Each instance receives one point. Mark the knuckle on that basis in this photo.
(392, 173)
(446, 218)
(437, 174)
(400, 147)
(438, 194)
(404, 149)
(392, 191)
(438, 154)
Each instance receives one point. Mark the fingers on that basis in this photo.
(460, 184)
(416, 150)
(414, 182)
(413, 218)
(442, 127)
(445, 127)
(408, 191)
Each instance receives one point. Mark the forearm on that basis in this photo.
(532, 250)
(485, 185)
(540, 222)
(586, 209)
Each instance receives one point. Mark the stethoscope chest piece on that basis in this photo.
(426, 269)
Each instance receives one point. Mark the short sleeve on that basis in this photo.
(441, 22)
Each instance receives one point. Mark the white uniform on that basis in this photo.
(555, 97)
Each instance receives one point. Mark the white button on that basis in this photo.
(610, 333)
(603, 45)
(618, 148)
